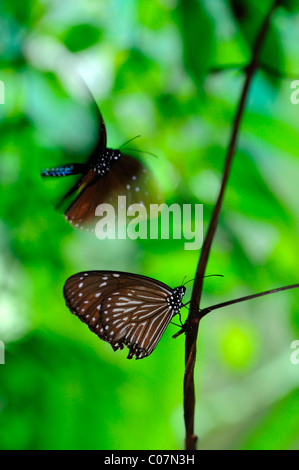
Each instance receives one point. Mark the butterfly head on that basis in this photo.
(175, 300)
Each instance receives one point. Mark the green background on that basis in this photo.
(148, 64)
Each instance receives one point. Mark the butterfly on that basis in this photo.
(106, 175)
(123, 309)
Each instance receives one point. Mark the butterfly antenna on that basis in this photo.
(144, 151)
(200, 277)
(130, 140)
(136, 150)
(182, 283)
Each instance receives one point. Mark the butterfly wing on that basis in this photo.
(121, 308)
(101, 142)
(127, 177)
(136, 318)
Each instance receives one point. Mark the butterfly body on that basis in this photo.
(101, 165)
(175, 299)
(123, 309)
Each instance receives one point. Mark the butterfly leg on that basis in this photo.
(180, 332)
(64, 170)
(187, 303)
(175, 324)
(181, 323)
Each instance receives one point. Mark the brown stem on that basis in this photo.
(207, 310)
(267, 68)
(194, 316)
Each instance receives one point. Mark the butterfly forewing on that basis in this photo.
(80, 292)
(121, 308)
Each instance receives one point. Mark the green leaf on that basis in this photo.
(290, 5)
(199, 38)
(278, 430)
(81, 37)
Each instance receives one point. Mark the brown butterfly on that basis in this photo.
(123, 309)
(106, 175)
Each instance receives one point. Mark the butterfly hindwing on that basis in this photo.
(135, 317)
(128, 178)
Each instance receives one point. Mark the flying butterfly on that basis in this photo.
(106, 175)
(123, 309)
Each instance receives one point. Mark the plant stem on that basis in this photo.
(207, 310)
(194, 312)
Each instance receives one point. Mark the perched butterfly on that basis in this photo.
(107, 174)
(123, 309)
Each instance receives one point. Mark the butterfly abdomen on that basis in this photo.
(64, 170)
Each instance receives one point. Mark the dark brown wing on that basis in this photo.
(137, 318)
(123, 309)
(127, 177)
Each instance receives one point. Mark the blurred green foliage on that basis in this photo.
(148, 65)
